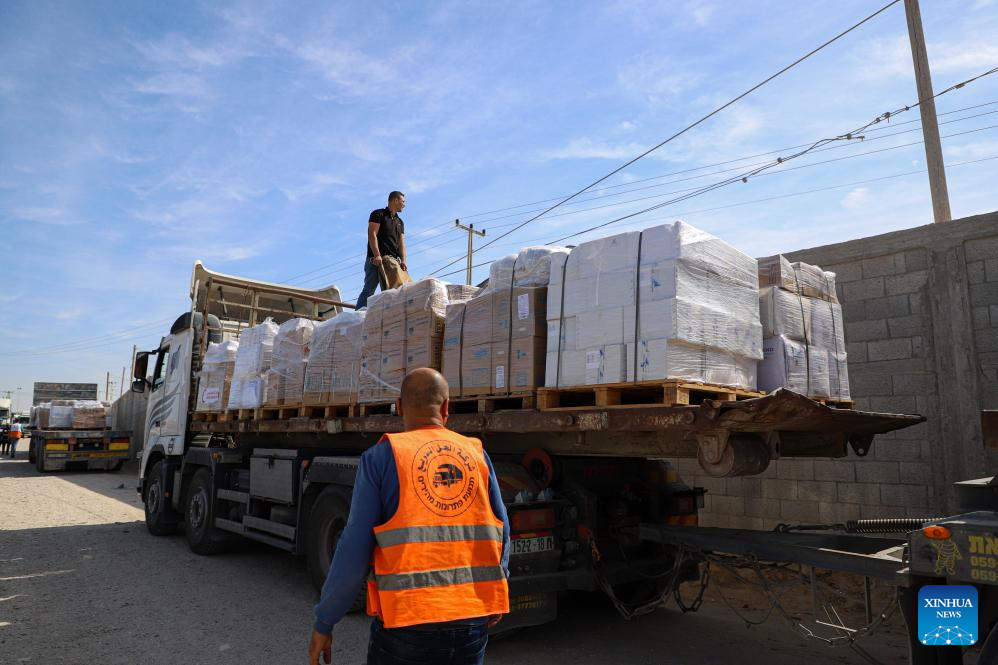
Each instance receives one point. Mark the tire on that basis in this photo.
(199, 515)
(325, 524)
(40, 462)
(155, 504)
(31, 452)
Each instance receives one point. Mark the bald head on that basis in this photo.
(423, 397)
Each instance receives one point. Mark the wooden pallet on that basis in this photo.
(491, 403)
(375, 409)
(276, 412)
(642, 393)
(836, 403)
(209, 416)
(328, 411)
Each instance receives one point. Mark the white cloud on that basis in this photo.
(179, 52)
(69, 314)
(174, 84)
(974, 150)
(315, 184)
(700, 11)
(587, 148)
(856, 199)
(45, 215)
(656, 78)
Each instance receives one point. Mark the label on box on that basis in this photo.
(592, 359)
(500, 376)
(523, 306)
(211, 395)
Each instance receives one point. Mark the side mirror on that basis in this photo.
(141, 366)
(139, 386)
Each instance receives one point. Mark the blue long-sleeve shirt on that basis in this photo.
(375, 501)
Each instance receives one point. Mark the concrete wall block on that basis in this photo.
(879, 511)
(986, 341)
(981, 316)
(799, 511)
(858, 493)
(879, 266)
(889, 349)
(993, 310)
(906, 326)
(846, 272)
(894, 404)
(976, 273)
(910, 282)
(869, 383)
(857, 353)
(915, 260)
(918, 303)
(909, 496)
(981, 249)
(887, 307)
(779, 489)
(751, 487)
(794, 469)
(768, 508)
(985, 293)
(897, 450)
(837, 512)
(729, 505)
(863, 331)
(815, 490)
(757, 523)
(868, 471)
(838, 470)
(863, 289)
(855, 311)
(916, 473)
(914, 383)
(687, 467)
(712, 485)
(991, 270)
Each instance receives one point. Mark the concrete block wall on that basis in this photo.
(920, 308)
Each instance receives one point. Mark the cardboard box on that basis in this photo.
(529, 312)
(450, 362)
(477, 327)
(426, 352)
(392, 358)
(423, 325)
(527, 364)
(500, 315)
(476, 369)
(392, 333)
(450, 367)
(426, 295)
(500, 367)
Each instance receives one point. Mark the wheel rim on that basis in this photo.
(198, 509)
(154, 499)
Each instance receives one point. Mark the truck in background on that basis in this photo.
(577, 483)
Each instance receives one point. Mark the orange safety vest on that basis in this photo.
(438, 558)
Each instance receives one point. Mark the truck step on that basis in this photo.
(637, 394)
(237, 527)
(275, 528)
(234, 495)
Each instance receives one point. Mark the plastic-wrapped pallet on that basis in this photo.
(669, 302)
(450, 359)
(61, 414)
(215, 380)
(803, 329)
(88, 414)
(347, 346)
(370, 387)
(253, 359)
(40, 415)
(286, 377)
(423, 330)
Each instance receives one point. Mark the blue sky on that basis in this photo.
(138, 137)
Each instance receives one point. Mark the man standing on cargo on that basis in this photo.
(385, 238)
(427, 512)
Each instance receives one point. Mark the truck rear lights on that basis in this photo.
(116, 445)
(532, 520)
(936, 532)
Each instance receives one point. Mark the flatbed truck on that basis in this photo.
(93, 449)
(584, 486)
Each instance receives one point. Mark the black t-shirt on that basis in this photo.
(390, 232)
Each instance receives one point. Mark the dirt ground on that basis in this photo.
(82, 581)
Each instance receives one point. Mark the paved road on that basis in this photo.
(81, 581)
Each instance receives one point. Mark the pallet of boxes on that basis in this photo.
(668, 315)
(804, 347)
(333, 368)
(249, 375)
(285, 379)
(215, 379)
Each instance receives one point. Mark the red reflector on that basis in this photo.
(532, 520)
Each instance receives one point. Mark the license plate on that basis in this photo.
(96, 454)
(532, 545)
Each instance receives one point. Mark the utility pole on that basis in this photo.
(472, 232)
(135, 351)
(927, 107)
(121, 386)
(107, 387)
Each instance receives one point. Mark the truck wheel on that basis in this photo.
(325, 524)
(40, 462)
(199, 516)
(31, 453)
(155, 504)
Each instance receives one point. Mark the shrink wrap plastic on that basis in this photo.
(70, 414)
(530, 267)
(40, 415)
(802, 322)
(253, 359)
(334, 359)
(215, 380)
(669, 302)
(89, 414)
(286, 377)
(403, 331)
(451, 359)
(61, 414)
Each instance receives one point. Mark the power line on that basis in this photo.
(85, 340)
(688, 127)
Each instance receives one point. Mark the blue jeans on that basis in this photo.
(372, 279)
(458, 645)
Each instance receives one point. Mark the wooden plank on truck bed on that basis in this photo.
(670, 392)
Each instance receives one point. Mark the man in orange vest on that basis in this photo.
(429, 530)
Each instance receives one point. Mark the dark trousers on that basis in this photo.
(458, 645)
(372, 279)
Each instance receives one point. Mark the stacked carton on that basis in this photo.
(89, 414)
(215, 381)
(804, 337)
(669, 302)
(286, 376)
(334, 360)
(403, 330)
(253, 359)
